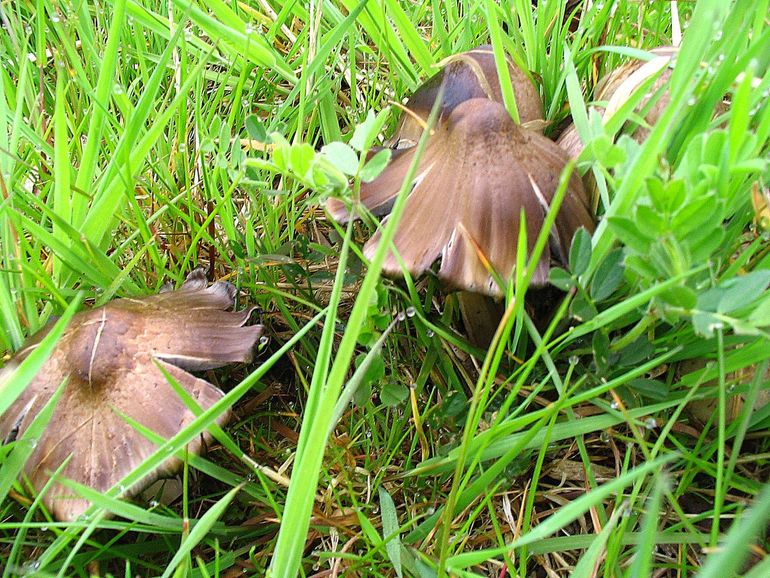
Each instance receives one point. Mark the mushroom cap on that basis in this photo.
(471, 74)
(480, 170)
(109, 356)
(619, 85)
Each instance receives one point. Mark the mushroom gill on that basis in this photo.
(479, 172)
(108, 356)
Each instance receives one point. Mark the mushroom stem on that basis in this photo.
(481, 315)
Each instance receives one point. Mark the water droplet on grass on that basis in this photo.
(650, 423)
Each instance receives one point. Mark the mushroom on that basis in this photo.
(480, 170)
(617, 88)
(467, 75)
(110, 358)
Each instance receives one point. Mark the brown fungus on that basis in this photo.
(110, 357)
(479, 172)
(617, 87)
(467, 75)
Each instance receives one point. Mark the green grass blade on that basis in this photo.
(104, 87)
(588, 565)
(200, 530)
(643, 558)
(727, 560)
(299, 500)
(563, 517)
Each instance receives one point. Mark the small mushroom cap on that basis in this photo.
(109, 356)
(618, 86)
(467, 75)
(480, 170)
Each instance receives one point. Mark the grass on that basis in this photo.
(134, 147)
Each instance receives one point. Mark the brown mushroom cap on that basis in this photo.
(475, 178)
(109, 355)
(467, 75)
(479, 171)
(619, 85)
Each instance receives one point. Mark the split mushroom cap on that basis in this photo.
(108, 356)
(480, 170)
(618, 86)
(467, 75)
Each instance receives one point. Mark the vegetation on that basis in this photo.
(142, 138)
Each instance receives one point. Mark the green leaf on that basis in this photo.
(375, 165)
(607, 153)
(582, 309)
(342, 156)
(362, 394)
(696, 213)
(649, 222)
(390, 530)
(704, 249)
(680, 296)
(600, 343)
(705, 323)
(635, 353)
(742, 291)
(580, 252)
(650, 388)
(365, 133)
(301, 159)
(325, 176)
(560, 278)
(256, 129)
(629, 234)
(375, 368)
(666, 198)
(641, 266)
(393, 394)
(453, 405)
(608, 276)
(761, 314)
